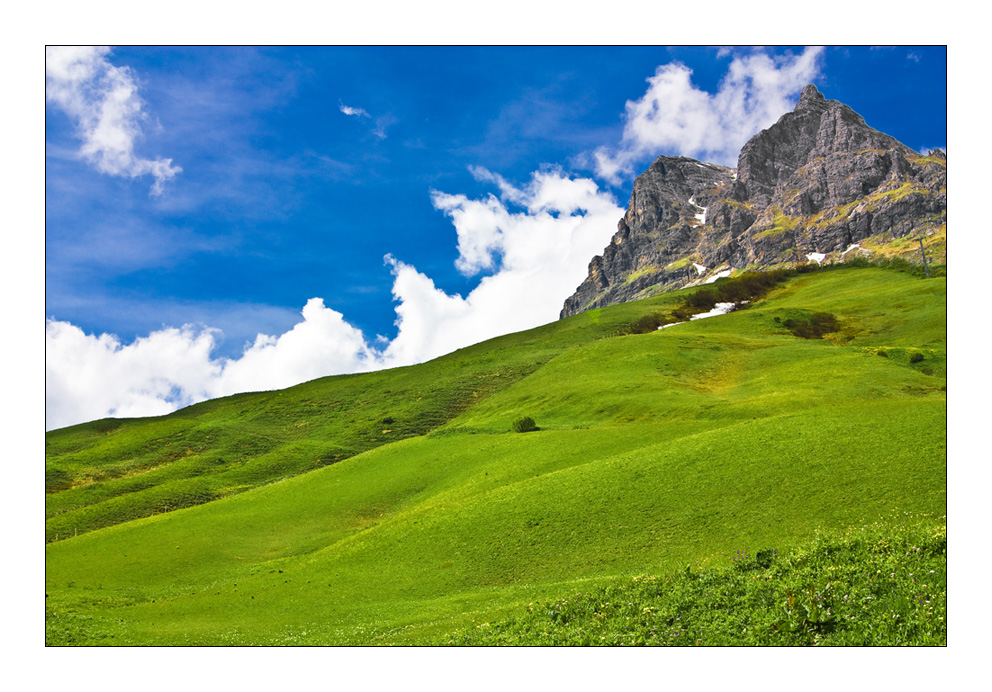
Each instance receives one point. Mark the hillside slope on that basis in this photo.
(115, 470)
(678, 446)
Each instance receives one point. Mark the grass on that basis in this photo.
(907, 246)
(886, 194)
(881, 584)
(928, 160)
(642, 272)
(779, 224)
(654, 451)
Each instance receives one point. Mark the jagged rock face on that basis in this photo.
(817, 181)
(815, 131)
(663, 223)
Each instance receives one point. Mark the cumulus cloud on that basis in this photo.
(322, 344)
(533, 243)
(89, 376)
(676, 117)
(103, 102)
(537, 239)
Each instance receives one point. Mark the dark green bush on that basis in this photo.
(916, 358)
(813, 326)
(525, 424)
(706, 299)
(646, 324)
(746, 287)
(745, 562)
(764, 558)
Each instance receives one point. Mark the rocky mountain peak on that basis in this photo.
(818, 181)
(810, 97)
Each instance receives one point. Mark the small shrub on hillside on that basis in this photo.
(737, 290)
(706, 299)
(860, 262)
(916, 358)
(525, 424)
(813, 326)
(647, 324)
(764, 558)
(745, 562)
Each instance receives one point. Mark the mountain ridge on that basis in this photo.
(809, 188)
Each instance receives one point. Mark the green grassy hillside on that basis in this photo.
(398, 507)
(111, 471)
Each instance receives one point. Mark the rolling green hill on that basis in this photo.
(399, 506)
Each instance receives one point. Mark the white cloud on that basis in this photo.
(89, 377)
(360, 112)
(322, 344)
(676, 117)
(540, 254)
(380, 128)
(536, 240)
(102, 99)
(381, 123)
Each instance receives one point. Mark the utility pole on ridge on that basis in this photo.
(923, 252)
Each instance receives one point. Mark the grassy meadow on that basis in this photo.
(400, 507)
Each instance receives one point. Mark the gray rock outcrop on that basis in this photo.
(816, 182)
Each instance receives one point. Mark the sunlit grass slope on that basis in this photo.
(112, 471)
(878, 584)
(658, 450)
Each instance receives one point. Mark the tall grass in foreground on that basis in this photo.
(880, 584)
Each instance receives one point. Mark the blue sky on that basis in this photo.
(368, 207)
